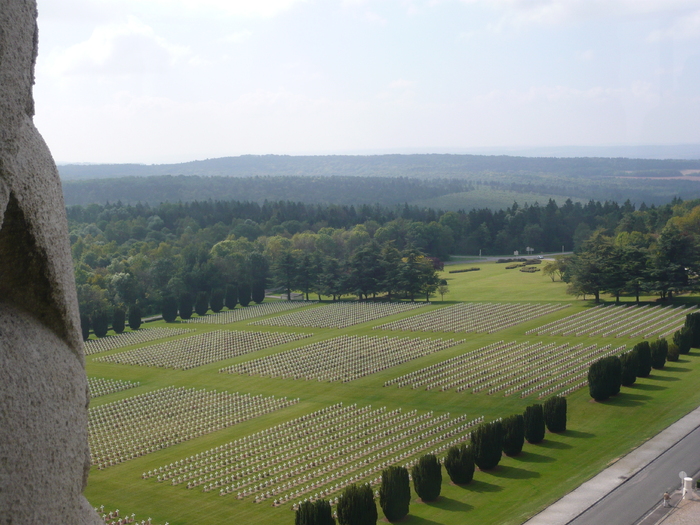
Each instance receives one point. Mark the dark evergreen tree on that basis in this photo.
(555, 413)
(395, 493)
(100, 323)
(85, 326)
(356, 506)
(630, 364)
(683, 338)
(306, 514)
(487, 445)
(118, 320)
(692, 321)
(168, 308)
(258, 292)
(231, 298)
(459, 464)
(534, 423)
(659, 352)
(644, 356)
(597, 381)
(201, 304)
(324, 514)
(134, 317)
(673, 352)
(614, 374)
(513, 434)
(316, 513)
(427, 477)
(217, 300)
(244, 294)
(185, 306)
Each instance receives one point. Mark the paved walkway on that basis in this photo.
(588, 494)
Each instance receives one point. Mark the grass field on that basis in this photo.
(495, 199)
(597, 434)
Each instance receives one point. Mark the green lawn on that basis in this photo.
(598, 432)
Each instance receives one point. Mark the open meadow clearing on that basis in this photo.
(204, 447)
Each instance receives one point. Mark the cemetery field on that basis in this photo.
(401, 424)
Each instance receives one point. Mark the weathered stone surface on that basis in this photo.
(44, 458)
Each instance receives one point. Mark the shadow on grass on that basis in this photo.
(555, 445)
(531, 457)
(480, 486)
(504, 471)
(625, 399)
(676, 369)
(656, 377)
(417, 520)
(644, 386)
(449, 504)
(578, 434)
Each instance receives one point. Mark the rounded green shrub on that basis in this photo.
(427, 477)
(459, 464)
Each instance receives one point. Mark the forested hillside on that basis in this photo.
(145, 254)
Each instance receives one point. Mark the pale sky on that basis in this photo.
(158, 81)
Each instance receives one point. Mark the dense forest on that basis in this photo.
(143, 255)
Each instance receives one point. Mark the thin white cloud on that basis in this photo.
(117, 49)
(686, 27)
(238, 36)
(244, 8)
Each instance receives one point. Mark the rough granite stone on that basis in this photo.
(44, 456)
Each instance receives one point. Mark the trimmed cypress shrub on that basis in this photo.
(324, 514)
(118, 320)
(630, 363)
(201, 304)
(534, 423)
(244, 294)
(597, 381)
(356, 506)
(185, 306)
(659, 351)
(683, 339)
(168, 308)
(673, 352)
(134, 317)
(395, 493)
(316, 513)
(644, 355)
(306, 514)
(459, 464)
(692, 321)
(258, 291)
(217, 300)
(487, 445)
(100, 323)
(555, 413)
(513, 434)
(613, 374)
(427, 477)
(231, 297)
(85, 326)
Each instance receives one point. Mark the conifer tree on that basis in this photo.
(555, 413)
(231, 298)
(613, 374)
(659, 352)
(513, 434)
(644, 357)
(201, 304)
(692, 322)
(356, 506)
(427, 477)
(169, 309)
(683, 338)
(85, 326)
(134, 317)
(597, 381)
(630, 363)
(487, 445)
(185, 306)
(244, 294)
(534, 423)
(217, 300)
(395, 493)
(118, 320)
(100, 323)
(459, 464)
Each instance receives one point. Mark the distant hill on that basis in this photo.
(414, 166)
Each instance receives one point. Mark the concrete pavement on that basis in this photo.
(589, 493)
